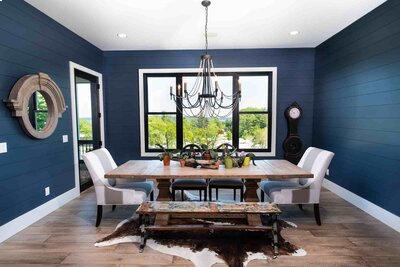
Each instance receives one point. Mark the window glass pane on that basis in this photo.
(162, 130)
(209, 131)
(158, 89)
(253, 131)
(41, 103)
(83, 96)
(254, 93)
(41, 119)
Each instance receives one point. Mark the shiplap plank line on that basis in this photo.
(38, 26)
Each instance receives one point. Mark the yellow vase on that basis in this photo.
(246, 161)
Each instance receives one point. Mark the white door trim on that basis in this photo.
(72, 67)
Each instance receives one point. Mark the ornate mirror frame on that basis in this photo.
(18, 101)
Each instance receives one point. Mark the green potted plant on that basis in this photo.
(165, 156)
(182, 159)
(227, 157)
(206, 152)
(228, 162)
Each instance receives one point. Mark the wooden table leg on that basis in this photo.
(163, 190)
(251, 190)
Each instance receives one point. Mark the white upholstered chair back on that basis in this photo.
(99, 162)
(316, 161)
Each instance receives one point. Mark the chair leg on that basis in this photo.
(234, 194)
(182, 195)
(316, 214)
(113, 207)
(173, 194)
(262, 195)
(152, 196)
(216, 193)
(200, 193)
(301, 206)
(205, 194)
(99, 214)
(210, 193)
(241, 194)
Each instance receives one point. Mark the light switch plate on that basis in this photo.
(65, 138)
(47, 191)
(3, 147)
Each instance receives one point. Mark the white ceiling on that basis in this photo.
(179, 24)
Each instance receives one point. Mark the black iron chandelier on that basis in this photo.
(206, 98)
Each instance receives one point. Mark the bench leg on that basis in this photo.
(275, 235)
(143, 234)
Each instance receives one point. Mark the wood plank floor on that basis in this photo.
(348, 237)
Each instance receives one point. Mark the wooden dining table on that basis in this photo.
(154, 169)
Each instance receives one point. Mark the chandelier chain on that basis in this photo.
(205, 98)
(206, 29)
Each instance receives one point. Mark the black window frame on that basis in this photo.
(235, 114)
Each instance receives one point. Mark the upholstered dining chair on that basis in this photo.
(183, 184)
(137, 184)
(226, 183)
(301, 191)
(108, 192)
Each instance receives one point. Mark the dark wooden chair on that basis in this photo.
(228, 183)
(193, 151)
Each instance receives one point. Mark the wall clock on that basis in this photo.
(293, 144)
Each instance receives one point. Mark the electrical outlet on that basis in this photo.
(3, 148)
(65, 138)
(47, 191)
(327, 172)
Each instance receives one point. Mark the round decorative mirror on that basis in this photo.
(37, 102)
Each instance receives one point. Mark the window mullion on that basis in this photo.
(235, 114)
(179, 115)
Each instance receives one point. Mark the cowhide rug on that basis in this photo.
(235, 248)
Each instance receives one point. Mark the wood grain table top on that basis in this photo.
(154, 169)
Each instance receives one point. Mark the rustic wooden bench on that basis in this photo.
(167, 212)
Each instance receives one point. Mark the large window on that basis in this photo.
(250, 127)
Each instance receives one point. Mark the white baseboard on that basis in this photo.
(11, 228)
(382, 215)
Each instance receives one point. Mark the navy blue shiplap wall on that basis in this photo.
(31, 42)
(295, 83)
(357, 106)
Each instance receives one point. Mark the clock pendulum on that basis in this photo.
(293, 144)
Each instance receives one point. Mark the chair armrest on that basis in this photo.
(119, 196)
(293, 195)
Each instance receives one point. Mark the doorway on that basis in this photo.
(88, 121)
